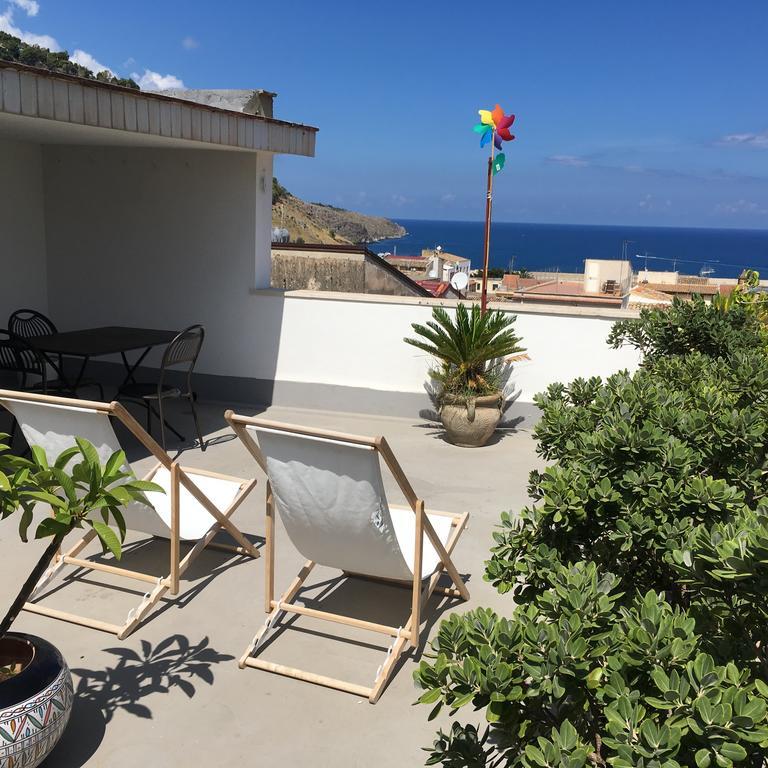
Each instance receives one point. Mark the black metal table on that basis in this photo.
(98, 342)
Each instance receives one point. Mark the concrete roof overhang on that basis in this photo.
(50, 108)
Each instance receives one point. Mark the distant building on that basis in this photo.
(605, 282)
(609, 276)
(280, 235)
(345, 268)
(432, 264)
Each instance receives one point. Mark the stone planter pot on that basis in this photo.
(35, 704)
(470, 424)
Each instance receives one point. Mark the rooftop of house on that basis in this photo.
(438, 288)
(556, 291)
(428, 253)
(684, 288)
(651, 293)
(175, 685)
(50, 107)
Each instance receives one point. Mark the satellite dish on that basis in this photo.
(460, 281)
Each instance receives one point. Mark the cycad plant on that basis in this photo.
(471, 350)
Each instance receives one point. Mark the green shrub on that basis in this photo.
(639, 462)
(691, 326)
(576, 678)
(640, 572)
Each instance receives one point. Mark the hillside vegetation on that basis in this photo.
(319, 223)
(14, 49)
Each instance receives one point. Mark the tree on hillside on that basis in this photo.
(14, 49)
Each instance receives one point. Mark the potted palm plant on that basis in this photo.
(35, 684)
(472, 351)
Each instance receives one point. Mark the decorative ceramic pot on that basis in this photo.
(35, 704)
(470, 423)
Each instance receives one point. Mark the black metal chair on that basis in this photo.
(29, 324)
(182, 351)
(20, 359)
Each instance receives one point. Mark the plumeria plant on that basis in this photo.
(80, 492)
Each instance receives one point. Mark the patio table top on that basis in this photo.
(106, 340)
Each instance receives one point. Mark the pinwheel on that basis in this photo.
(493, 127)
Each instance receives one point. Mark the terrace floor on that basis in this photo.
(171, 694)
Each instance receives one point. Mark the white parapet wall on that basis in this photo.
(337, 349)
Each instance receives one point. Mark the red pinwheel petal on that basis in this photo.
(505, 122)
(497, 142)
(497, 114)
(505, 134)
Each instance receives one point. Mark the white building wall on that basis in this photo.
(159, 238)
(23, 282)
(597, 271)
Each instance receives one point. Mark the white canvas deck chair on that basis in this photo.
(195, 507)
(328, 489)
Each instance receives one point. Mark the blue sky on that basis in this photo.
(627, 113)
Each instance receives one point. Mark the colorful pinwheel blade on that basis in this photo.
(485, 138)
(505, 122)
(505, 134)
(485, 117)
(497, 115)
(498, 162)
(480, 128)
(497, 141)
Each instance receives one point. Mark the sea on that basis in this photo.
(563, 247)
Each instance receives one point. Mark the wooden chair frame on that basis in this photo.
(405, 637)
(180, 477)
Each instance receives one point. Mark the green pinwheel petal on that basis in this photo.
(480, 128)
(498, 162)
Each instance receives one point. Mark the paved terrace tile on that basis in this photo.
(171, 694)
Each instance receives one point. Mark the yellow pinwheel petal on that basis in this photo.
(485, 116)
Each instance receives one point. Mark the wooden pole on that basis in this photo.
(487, 246)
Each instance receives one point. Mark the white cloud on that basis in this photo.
(741, 206)
(571, 161)
(85, 59)
(154, 81)
(30, 7)
(7, 25)
(190, 43)
(448, 197)
(747, 139)
(150, 80)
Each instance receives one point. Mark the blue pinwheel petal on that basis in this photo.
(486, 138)
(497, 141)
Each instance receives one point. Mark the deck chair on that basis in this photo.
(195, 507)
(328, 489)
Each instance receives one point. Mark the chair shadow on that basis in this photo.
(135, 676)
(363, 598)
(142, 556)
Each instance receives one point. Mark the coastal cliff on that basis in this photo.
(319, 223)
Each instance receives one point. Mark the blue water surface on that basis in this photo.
(563, 247)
